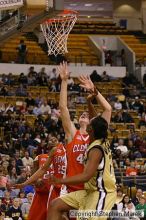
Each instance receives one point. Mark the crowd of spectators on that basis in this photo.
(22, 141)
(126, 204)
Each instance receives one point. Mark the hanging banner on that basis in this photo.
(6, 4)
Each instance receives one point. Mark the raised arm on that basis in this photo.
(107, 109)
(68, 126)
(35, 165)
(91, 109)
(39, 173)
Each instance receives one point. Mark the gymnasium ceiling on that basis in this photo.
(98, 8)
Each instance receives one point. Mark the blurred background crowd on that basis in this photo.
(28, 119)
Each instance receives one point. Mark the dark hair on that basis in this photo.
(124, 198)
(100, 127)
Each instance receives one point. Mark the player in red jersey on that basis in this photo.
(38, 208)
(57, 161)
(77, 140)
(59, 165)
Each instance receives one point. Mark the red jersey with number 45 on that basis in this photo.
(59, 162)
(75, 151)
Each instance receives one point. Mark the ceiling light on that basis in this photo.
(88, 16)
(88, 5)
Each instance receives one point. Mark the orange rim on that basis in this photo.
(64, 16)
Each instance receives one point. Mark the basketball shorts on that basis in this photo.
(38, 209)
(90, 204)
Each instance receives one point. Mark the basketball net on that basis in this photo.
(56, 31)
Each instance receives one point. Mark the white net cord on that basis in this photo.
(56, 33)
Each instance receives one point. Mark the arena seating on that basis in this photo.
(136, 45)
(80, 51)
(35, 54)
(97, 27)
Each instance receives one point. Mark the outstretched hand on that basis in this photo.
(86, 83)
(63, 71)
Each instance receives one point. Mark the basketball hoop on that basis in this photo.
(56, 31)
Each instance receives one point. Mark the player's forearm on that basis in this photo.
(63, 95)
(38, 174)
(91, 110)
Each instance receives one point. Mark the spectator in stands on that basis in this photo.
(10, 79)
(131, 170)
(138, 105)
(123, 117)
(3, 179)
(25, 207)
(142, 170)
(142, 121)
(127, 118)
(126, 91)
(12, 177)
(26, 141)
(111, 97)
(70, 82)
(30, 100)
(137, 197)
(45, 108)
(118, 118)
(142, 149)
(130, 210)
(95, 77)
(27, 160)
(22, 197)
(105, 77)
(14, 165)
(53, 87)
(14, 211)
(22, 177)
(22, 52)
(117, 105)
(133, 151)
(119, 196)
(36, 110)
(42, 72)
(53, 74)
(121, 206)
(122, 147)
(2, 206)
(22, 79)
(7, 200)
(42, 78)
(32, 72)
(31, 79)
(142, 205)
